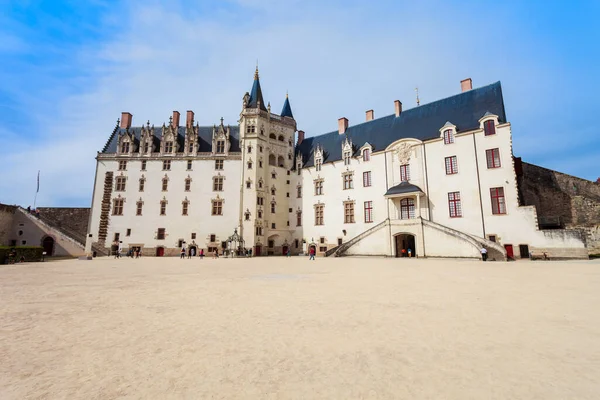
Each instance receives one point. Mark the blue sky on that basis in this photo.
(70, 67)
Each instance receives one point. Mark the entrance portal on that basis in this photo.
(284, 250)
(48, 245)
(405, 242)
(160, 251)
(257, 250)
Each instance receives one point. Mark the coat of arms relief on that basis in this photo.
(403, 152)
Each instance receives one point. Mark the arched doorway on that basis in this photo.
(405, 241)
(257, 250)
(48, 245)
(193, 250)
(160, 251)
(312, 246)
(284, 249)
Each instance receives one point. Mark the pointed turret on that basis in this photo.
(286, 111)
(256, 98)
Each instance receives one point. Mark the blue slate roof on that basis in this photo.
(286, 111)
(204, 133)
(256, 94)
(423, 122)
(403, 187)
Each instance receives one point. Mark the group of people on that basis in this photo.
(35, 212)
(191, 252)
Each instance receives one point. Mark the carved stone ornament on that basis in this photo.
(403, 152)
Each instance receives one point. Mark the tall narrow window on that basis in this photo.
(366, 155)
(405, 173)
(319, 214)
(143, 165)
(451, 165)
(122, 165)
(217, 207)
(138, 209)
(368, 211)
(318, 164)
(189, 165)
(218, 184)
(220, 146)
(184, 207)
(165, 184)
(125, 147)
(249, 150)
(299, 218)
(498, 202)
(454, 204)
(118, 206)
(260, 201)
(160, 234)
(146, 148)
(318, 187)
(299, 192)
(448, 136)
(346, 158)
(348, 181)
(272, 208)
(163, 207)
(168, 147)
(259, 231)
(120, 183)
(188, 184)
(219, 165)
(489, 128)
(407, 209)
(191, 149)
(167, 165)
(367, 179)
(142, 183)
(493, 158)
(348, 212)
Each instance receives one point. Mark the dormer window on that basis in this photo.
(125, 147)
(346, 158)
(191, 148)
(220, 146)
(448, 136)
(367, 155)
(168, 147)
(318, 164)
(489, 127)
(146, 148)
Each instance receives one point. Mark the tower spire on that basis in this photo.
(256, 99)
(286, 111)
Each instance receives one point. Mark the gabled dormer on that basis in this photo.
(125, 143)
(146, 140)
(220, 139)
(488, 123)
(448, 132)
(365, 152)
(318, 157)
(347, 150)
(191, 139)
(168, 139)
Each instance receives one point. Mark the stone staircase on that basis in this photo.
(339, 250)
(495, 251)
(49, 229)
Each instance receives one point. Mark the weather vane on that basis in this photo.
(418, 101)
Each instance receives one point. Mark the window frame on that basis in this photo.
(451, 164)
(216, 207)
(489, 127)
(454, 205)
(405, 173)
(349, 212)
(367, 182)
(492, 157)
(368, 211)
(498, 200)
(319, 215)
(118, 206)
(448, 136)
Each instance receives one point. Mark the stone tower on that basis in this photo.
(267, 145)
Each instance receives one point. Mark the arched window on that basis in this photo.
(280, 161)
(280, 138)
(272, 136)
(272, 159)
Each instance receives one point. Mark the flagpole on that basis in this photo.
(37, 190)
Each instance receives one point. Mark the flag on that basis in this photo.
(38, 183)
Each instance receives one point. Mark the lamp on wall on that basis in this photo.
(344, 232)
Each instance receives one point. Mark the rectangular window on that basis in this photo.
(189, 165)
(498, 202)
(405, 173)
(493, 158)
(128, 232)
(120, 184)
(217, 207)
(143, 165)
(348, 212)
(489, 128)
(296, 243)
(168, 147)
(220, 146)
(193, 235)
(218, 184)
(166, 165)
(187, 185)
(347, 158)
(318, 164)
(454, 204)
(299, 218)
(160, 235)
(184, 208)
(367, 179)
(260, 201)
(163, 208)
(118, 207)
(319, 214)
(323, 249)
(448, 136)
(213, 238)
(219, 165)
(191, 149)
(122, 165)
(348, 181)
(299, 192)
(407, 209)
(368, 211)
(142, 183)
(318, 188)
(322, 240)
(271, 243)
(451, 165)
(273, 225)
(138, 210)
(366, 155)
(116, 237)
(272, 208)
(165, 184)
(258, 231)
(146, 148)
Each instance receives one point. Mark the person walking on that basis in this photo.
(289, 253)
(119, 249)
(409, 252)
(312, 253)
(202, 254)
(182, 254)
(483, 252)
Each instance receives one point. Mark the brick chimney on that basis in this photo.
(189, 120)
(342, 125)
(370, 115)
(398, 107)
(300, 137)
(466, 84)
(126, 120)
(175, 122)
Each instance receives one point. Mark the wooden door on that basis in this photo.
(509, 251)
(284, 250)
(257, 251)
(160, 251)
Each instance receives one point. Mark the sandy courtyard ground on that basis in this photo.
(277, 328)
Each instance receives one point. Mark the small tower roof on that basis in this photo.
(256, 94)
(286, 111)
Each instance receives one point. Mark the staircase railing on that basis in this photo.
(339, 250)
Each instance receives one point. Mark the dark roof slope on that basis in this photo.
(424, 122)
(286, 111)
(256, 94)
(204, 133)
(403, 187)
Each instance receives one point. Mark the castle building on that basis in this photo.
(438, 180)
